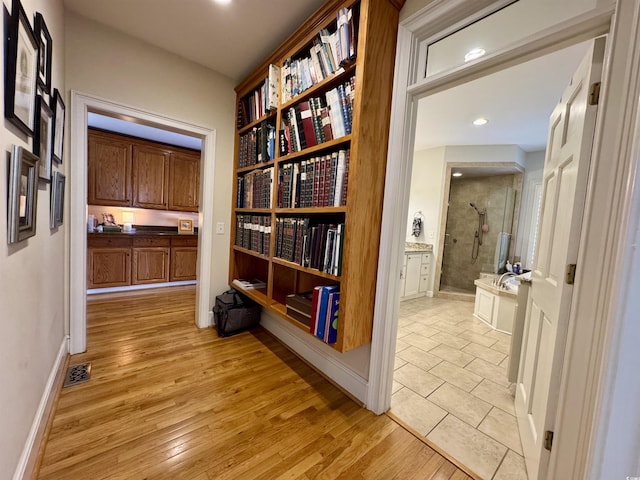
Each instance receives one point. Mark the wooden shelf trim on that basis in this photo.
(251, 252)
(257, 122)
(310, 210)
(281, 310)
(257, 211)
(331, 144)
(311, 271)
(257, 166)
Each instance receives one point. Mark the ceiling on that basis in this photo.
(517, 102)
(231, 39)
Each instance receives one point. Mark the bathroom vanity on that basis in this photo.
(496, 306)
(414, 277)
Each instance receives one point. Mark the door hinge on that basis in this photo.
(570, 276)
(548, 439)
(594, 94)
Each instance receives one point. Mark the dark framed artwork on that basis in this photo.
(56, 215)
(45, 51)
(23, 195)
(43, 138)
(21, 64)
(58, 129)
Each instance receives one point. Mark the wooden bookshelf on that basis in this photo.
(377, 23)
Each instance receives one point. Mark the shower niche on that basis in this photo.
(479, 230)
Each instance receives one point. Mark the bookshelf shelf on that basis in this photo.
(359, 96)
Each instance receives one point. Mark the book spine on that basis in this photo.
(332, 336)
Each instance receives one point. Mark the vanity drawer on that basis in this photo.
(151, 242)
(424, 269)
(106, 242)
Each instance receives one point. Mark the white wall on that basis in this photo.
(484, 154)
(32, 302)
(534, 165)
(106, 63)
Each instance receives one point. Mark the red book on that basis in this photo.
(314, 310)
(307, 124)
(316, 182)
(326, 124)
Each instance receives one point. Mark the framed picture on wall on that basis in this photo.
(45, 49)
(21, 64)
(57, 200)
(185, 225)
(58, 129)
(23, 195)
(43, 138)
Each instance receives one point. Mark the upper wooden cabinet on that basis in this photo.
(129, 172)
(184, 182)
(109, 181)
(150, 177)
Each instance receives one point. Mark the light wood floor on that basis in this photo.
(169, 401)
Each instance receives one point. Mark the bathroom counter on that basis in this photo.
(144, 231)
(486, 283)
(411, 247)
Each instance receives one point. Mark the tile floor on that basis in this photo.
(450, 385)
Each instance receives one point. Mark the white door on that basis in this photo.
(566, 170)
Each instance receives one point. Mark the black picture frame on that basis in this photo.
(45, 53)
(43, 138)
(58, 130)
(23, 195)
(56, 214)
(21, 64)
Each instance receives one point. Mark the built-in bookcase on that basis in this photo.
(310, 153)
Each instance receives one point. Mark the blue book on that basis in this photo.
(323, 305)
(332, 318)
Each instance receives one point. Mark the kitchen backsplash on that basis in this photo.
(143, 216)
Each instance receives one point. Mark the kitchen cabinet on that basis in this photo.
(184, 182)
(109, 170)
(150, 177)
(129, 172)
(150, 262)
(414, 278)
(184, 256)
(108, 262)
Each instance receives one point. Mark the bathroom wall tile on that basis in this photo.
(463, 405)
(420, 342)
(474, 449)
(450, 340)
(452, 355)
(416, 411)
(496, 395)
(416, 379)
(495, 373)
(477, 338)
(457, 376)
(512, 468)
(503, 428)
(419, 358)
(484, 353)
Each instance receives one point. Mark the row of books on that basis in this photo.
(317, 246)
(325, 304)
(263, 99)
(253, 232)
(318, 120)
(316, 182)
(328, 54)
(257, 145)
(255, 189)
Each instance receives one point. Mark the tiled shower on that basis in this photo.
(464, 258)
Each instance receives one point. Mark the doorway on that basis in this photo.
(82, 104)
(450, 383)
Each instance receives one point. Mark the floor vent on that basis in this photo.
(77, 374)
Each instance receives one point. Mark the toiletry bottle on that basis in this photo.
(508, 266)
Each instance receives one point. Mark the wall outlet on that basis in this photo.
(220, 228)
(431, 235)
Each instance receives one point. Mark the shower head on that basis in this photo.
(479, 212)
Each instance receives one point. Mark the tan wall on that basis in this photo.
(32, 306)
(106, 63)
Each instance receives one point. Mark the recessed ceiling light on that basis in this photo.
(456, 174)
(480, 121)
(222, 2)
(474, 53)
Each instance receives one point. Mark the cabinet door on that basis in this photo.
(484, 306)
(184, 182)
(109, 170)
(150, 265)
(183, 263)
(150, 177)
(412, 281)
(108, 267)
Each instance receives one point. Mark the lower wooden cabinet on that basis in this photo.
(184, 256)
(109, 267)
(150, 265)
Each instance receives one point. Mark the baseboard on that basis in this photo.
(346, 379)
(128, 288)
(29, 460)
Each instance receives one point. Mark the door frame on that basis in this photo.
(599, 295)
(81, 105)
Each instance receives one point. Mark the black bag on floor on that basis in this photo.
(234, 313)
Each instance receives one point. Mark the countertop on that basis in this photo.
(146, 231)
(411, 247)
(487, 284)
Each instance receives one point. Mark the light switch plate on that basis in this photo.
(220, 228)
